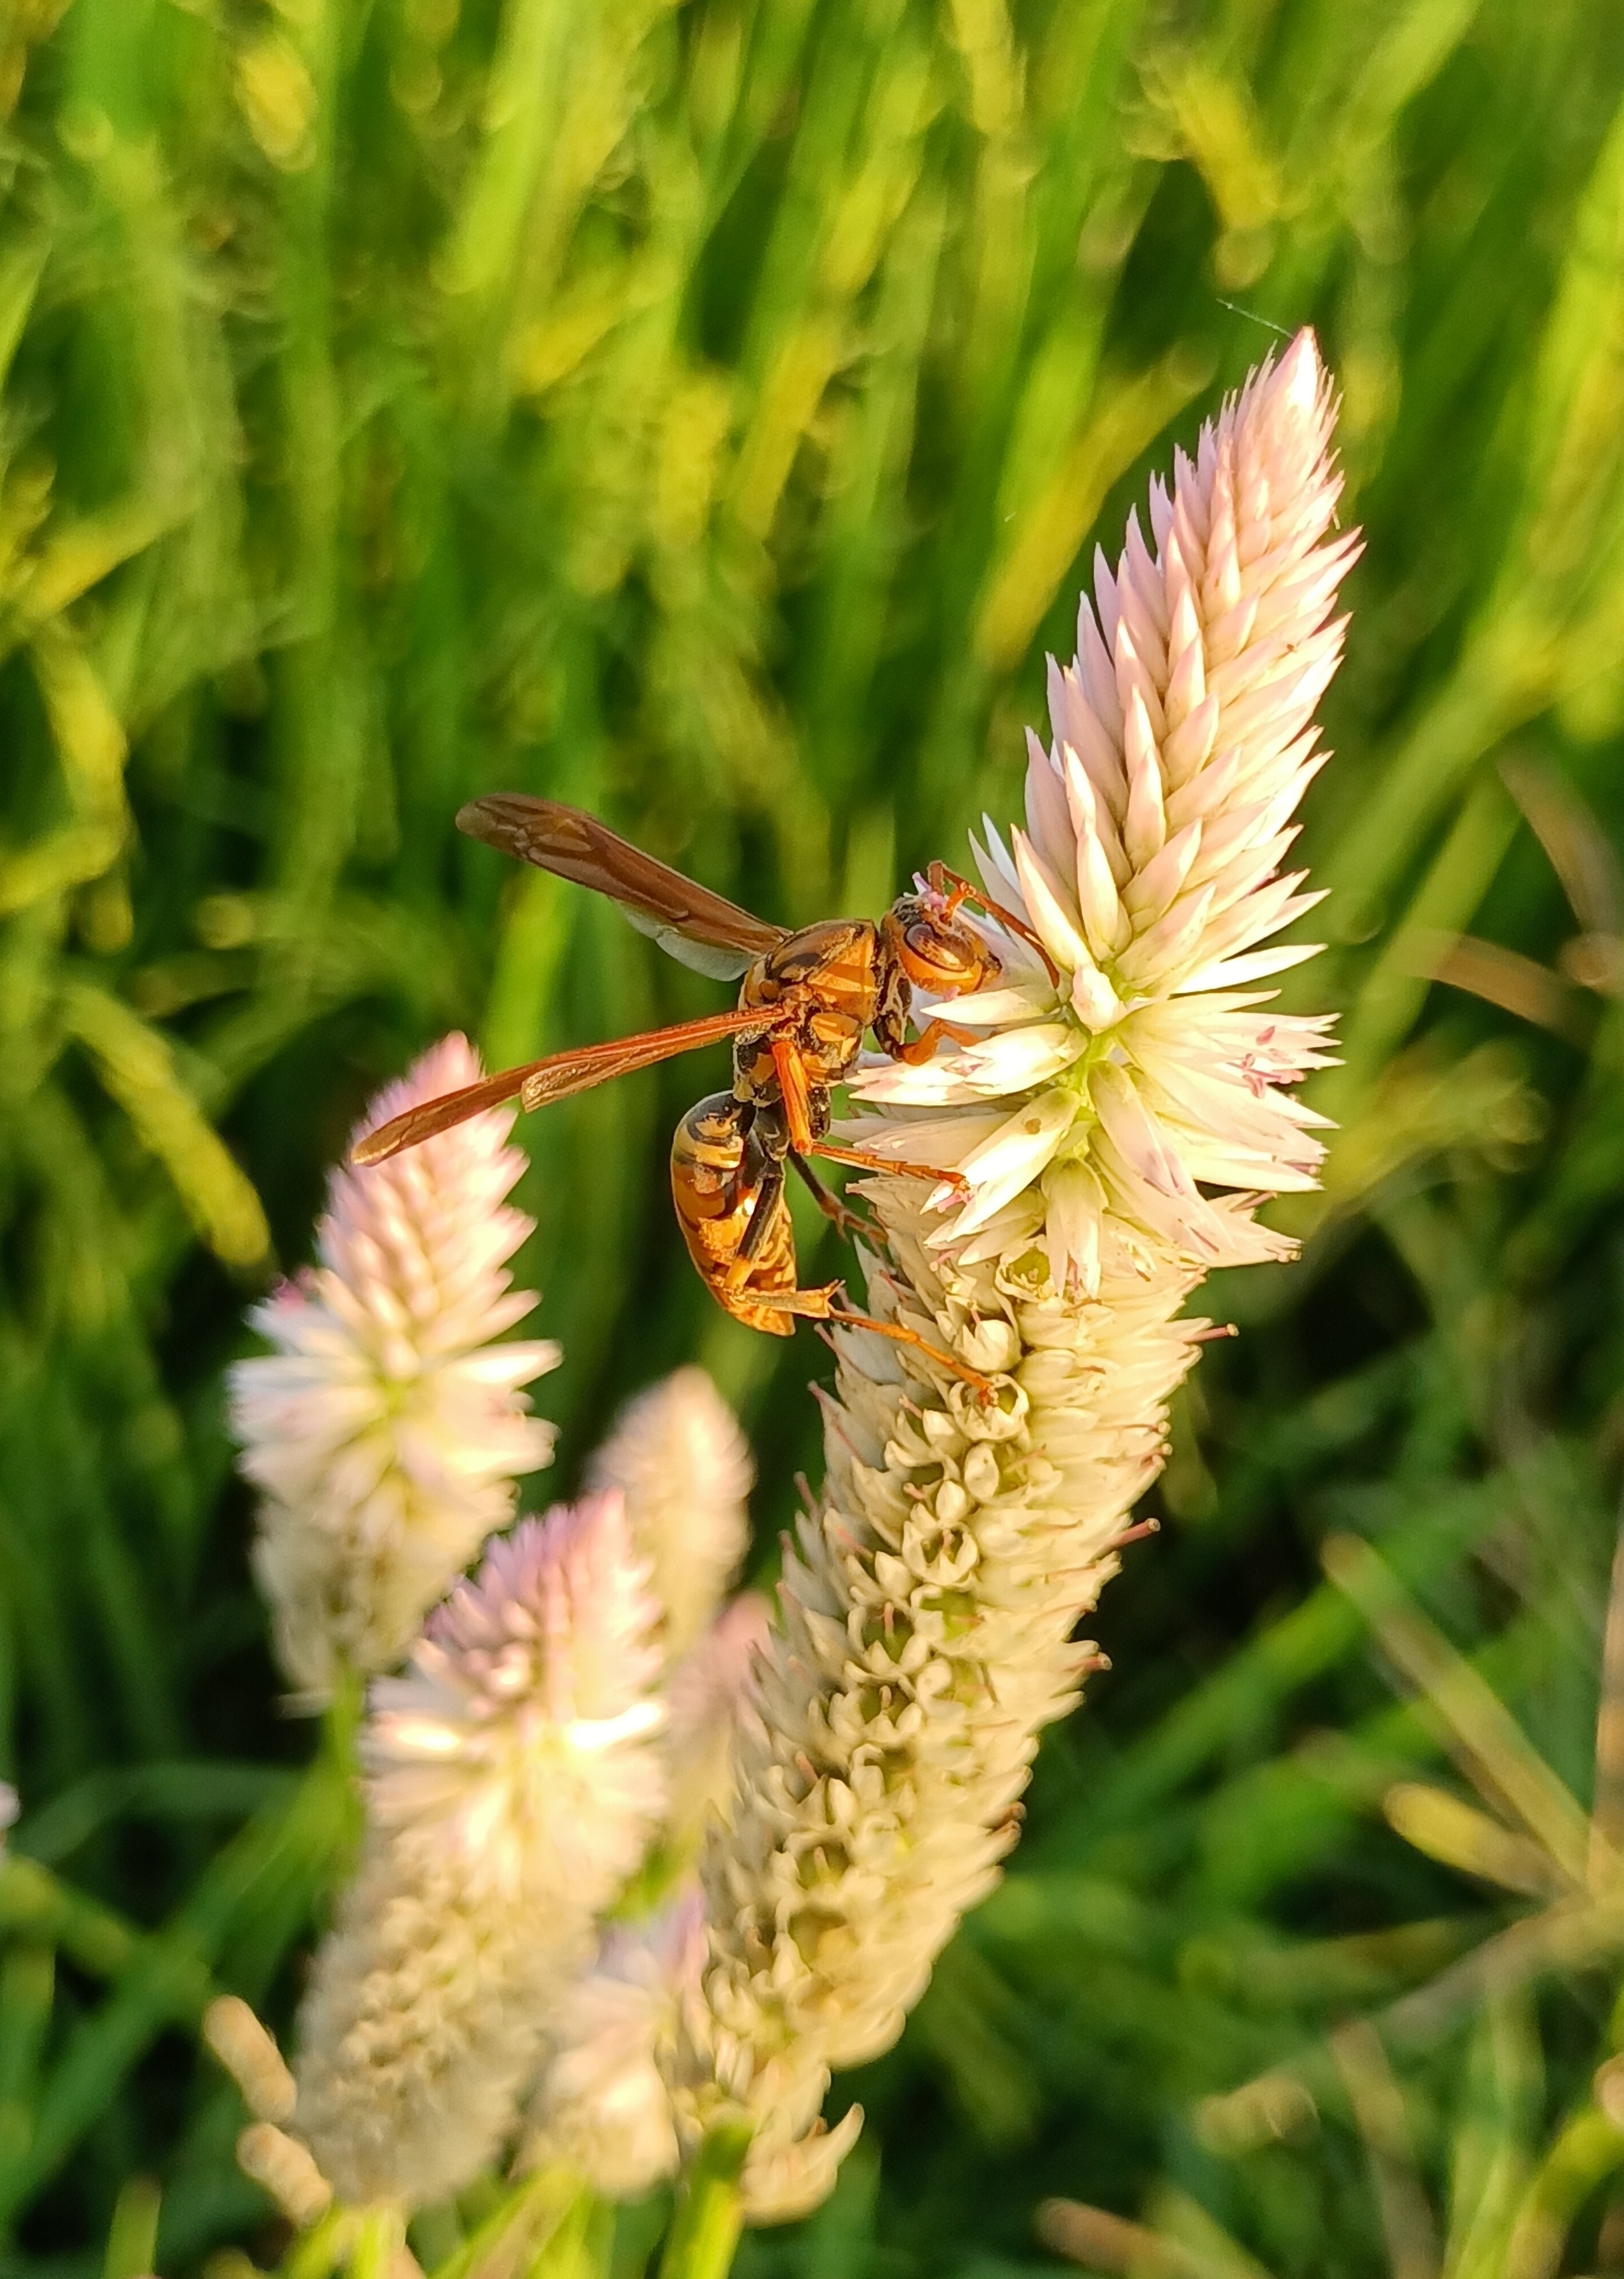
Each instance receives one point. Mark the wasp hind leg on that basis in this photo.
(838, 1212)
(818, 1306)
(768, 1191)
(848, 1319)
(866, 1160)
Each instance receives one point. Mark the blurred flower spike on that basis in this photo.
(387, 1428)
(678, 1455)
(504, 1741)
(603, 2106)
(515, 1779)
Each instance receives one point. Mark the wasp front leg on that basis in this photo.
(890, 1025)
(958, 890)
(924, 1044)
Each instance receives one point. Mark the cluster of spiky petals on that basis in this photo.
(506, 1739)
(930, 1607)
(387, 1429)
(677, 1455)
(1142, 1066)
(515, 1778)
(602, 2106)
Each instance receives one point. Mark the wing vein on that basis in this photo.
(682, 915)
(556, 1078)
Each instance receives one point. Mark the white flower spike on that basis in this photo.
(931, 1604)
(507, 1740)
(387, 1429)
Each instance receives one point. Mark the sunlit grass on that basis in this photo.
(704, 414)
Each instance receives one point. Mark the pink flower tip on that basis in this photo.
(1301, 373)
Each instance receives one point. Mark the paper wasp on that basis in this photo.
(807, 999)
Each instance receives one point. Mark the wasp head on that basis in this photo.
(935, 950)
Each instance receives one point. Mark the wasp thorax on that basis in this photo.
(937, 951)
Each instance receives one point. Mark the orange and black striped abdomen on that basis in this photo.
(722, 1183)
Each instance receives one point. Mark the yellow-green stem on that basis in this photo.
(710, 2214)
(379, 2236)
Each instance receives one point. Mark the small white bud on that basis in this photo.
(250, 2056)
(285, 2168)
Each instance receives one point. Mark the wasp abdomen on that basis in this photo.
(731, 1206)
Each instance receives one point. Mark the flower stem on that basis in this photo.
(337, 1762)
(379, 2236)
(317, 2254)
(341, 1720)
(705, 2228)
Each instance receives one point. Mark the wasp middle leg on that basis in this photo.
(801, 1117)
(834, 1208)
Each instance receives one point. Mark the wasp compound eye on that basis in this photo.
(949, 952)
(943, 957)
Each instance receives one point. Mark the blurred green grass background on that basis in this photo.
(705, 413)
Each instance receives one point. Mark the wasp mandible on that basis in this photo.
(807, 999)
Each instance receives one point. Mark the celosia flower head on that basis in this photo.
(1147, 1069)
(678, 1455)
(387, 1427)
(506, 1739)
(932, 1601)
